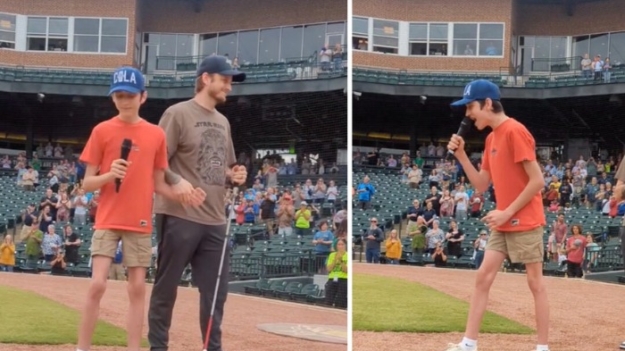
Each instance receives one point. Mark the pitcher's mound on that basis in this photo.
(334, 334)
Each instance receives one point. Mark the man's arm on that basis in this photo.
(533, 186)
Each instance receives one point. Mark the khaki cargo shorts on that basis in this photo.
(136, 247)
(521, 247)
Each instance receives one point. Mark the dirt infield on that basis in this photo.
(585, 315)
(242, 315)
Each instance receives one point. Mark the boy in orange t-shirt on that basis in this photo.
(126, 214)
(517, 224)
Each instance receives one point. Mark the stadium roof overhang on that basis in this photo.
(295, 86)
(512, 93)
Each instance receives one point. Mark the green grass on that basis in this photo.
(30, 319)
(388, 304)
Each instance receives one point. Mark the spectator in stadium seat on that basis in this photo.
(72, 244)
(33, 241)
(454, 238)
(29, 215)
(434, 236)
(325, 58)
(28, 179)
(268, 211)
(414, 177)
(322, 240)
(391, 162)
(45, 218)
(479, 245)
(591, 253)
(303, 217)
(337, 56)
(285, 215)
(461, 199)
(438, 256)
(80, 204)
(598, 68)
(365, 193)
(429, 214)
(416, 231)
(393, 248)
(575, 247)
(58, 264)
(7, 254)
(338, 218)
(51, 244)
(586, 65)
(308, 190)
(336, 288)
(332, 192)
(49, 200)
(297, 195)
(373, 239)
(434, 179)
(319, 192)
(63, 207)
(476, 204)
(607, 70)
(434, 198)
(414, 211)
(447, 205)
(251, 211)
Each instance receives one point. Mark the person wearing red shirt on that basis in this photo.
(575, 246)
(517, 224)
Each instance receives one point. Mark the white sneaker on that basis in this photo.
(457, 347)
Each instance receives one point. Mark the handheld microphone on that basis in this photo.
(125, 151)
(463, 131)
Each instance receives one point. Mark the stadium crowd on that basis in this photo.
(434, 222)
(286, 211)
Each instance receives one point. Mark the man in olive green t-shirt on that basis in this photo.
(33, 244)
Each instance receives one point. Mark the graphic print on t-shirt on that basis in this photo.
(212, 154)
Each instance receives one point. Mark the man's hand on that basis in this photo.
(238, 175)
(197, 198)
(183, 191)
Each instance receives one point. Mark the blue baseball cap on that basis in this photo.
(480, 89)
(217, 64)
(127, 79)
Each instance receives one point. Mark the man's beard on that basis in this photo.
(216, 97)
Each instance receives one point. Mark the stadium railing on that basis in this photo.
(550, 73)
(259, 73)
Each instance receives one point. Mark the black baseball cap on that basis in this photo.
(217, 64)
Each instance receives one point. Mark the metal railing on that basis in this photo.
(556, 65)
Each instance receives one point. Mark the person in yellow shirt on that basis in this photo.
(336, 287)
(7, 254)
(393, 248)
(302, 219)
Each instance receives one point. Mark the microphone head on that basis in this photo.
(127, 143)
(465, 126)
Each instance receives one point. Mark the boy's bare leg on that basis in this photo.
(136, 306)
(99, 273)
(536, 283)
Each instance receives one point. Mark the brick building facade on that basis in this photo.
(519, 17)
(163, 16)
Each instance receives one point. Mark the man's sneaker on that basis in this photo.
(457, 347)
(622, 347)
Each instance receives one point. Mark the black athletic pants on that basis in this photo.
(181, 242)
